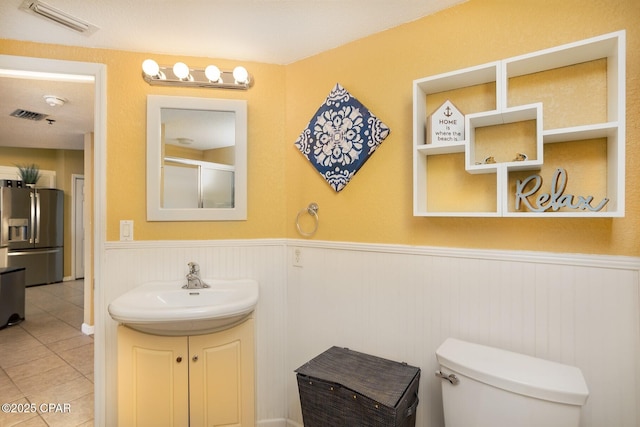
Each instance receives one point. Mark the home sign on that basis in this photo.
(446, 124)
(555, 199)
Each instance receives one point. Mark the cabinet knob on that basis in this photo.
(179, 359)
(195, 358)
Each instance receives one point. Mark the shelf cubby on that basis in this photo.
(534, 104)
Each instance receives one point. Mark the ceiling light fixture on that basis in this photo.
(54, 101)
(38, 8)
(181, 74)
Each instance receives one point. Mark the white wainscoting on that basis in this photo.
(401, 302)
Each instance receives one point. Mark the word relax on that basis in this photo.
(554, 200)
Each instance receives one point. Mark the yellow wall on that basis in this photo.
(65, 163)
(183, 152)
(377, 205)
(126, 136)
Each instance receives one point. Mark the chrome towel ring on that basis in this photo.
(312, 210)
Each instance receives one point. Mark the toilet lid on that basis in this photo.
(515, 372)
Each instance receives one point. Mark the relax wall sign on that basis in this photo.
(527, 195)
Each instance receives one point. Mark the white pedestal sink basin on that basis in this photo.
(165, 308)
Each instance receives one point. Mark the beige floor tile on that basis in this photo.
(78, 285)
(17, 373)
(63, 393)
(33, 422)
(80, 411)
(47, 359)
(52, 331)
(71, 343)
(12, 358)
(13, 335)
(80, 358)
(73, 316)
(49, 302)
(37, 321)
(8, 390)
(32, 310)
(48, 379)
(52, 289)
(90, 377)
(10, 419)
(18, 342)
(38, 295)
(52, 303)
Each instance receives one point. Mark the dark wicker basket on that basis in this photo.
(344, 388)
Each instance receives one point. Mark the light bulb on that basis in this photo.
(241, 75)
(150, 67)
(181, 70)
(213, 73)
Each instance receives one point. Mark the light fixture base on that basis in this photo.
(166, 77)
(55, 101)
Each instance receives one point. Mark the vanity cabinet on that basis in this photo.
(200, 380)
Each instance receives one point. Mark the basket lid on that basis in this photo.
(382, 380)
(515, 372)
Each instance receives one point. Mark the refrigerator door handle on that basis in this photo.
(31, 252)
(32, 218)
(37, 227)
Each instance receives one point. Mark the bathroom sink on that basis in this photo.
(165, 308)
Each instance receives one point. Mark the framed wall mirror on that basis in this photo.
(196, 159)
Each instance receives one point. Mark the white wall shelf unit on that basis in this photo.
(447, 176)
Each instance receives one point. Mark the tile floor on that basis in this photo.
(48, 360)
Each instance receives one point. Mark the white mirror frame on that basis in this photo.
(155, 104)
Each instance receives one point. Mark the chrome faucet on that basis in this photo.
(193, 277)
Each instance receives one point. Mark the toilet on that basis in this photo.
(489, 387)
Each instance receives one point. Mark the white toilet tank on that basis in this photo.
(495, 388)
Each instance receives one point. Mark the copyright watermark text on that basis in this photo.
(24, 408)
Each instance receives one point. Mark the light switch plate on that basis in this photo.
(126, 229)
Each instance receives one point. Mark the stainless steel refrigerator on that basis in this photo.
(32, 228)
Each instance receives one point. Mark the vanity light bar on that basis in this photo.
(162, 75)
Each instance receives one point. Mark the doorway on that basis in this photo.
(92, 271)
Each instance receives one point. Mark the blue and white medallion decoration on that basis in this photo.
(340, 137)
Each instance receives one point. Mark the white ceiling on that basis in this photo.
(72, 120)
(268, 31)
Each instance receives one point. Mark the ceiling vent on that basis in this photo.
(43, 10)
(28, 115)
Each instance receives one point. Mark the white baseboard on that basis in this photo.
(88, 329)
(276, 422)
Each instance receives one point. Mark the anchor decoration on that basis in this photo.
(446, 125)
(448, 112)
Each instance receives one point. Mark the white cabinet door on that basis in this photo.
(153, 380)
(222, 377)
